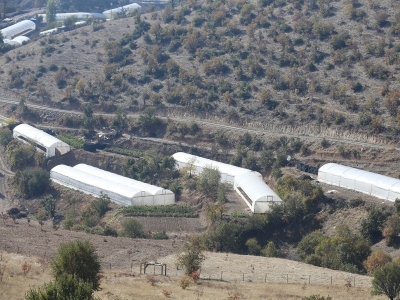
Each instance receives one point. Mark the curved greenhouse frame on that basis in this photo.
(17, 29)
(380, 186)
(45, 142)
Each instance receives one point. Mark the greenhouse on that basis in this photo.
(45, 142)
(121, 10)
(17, 29)
(248, 184)
(90, 184)
(369, 183)
(78, 16)
(160, 196)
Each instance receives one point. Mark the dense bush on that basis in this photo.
(31, 182)
(132, 228)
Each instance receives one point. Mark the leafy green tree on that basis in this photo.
(78, 259)
(100, 205)
(31, 182)
(372, 226)
(49, 204)
(308, 244)
(66, 287)
(270, 250)
(5, 134)
(191, 256)
(253, 246)
(51, 11)
(132, 228)
(208, 182)
(387, 281)
(392, 228)
(20, 156)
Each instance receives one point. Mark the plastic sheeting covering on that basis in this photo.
(369, 183)
(161, 195)
(17, 29)
(120, 10)
(51, 144)
(248, 184)
(196, 164)
(90, 184)
(80, 16)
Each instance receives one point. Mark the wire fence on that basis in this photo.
(328, 278)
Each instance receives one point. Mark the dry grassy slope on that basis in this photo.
(120, 283)
(294, 109)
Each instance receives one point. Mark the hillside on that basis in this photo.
(307, 65)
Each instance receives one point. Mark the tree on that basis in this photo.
(392, 228)
(79, 259)
(51, 11)
(372, 226)
(132, 228)
(20, 156)
(387, 280)
(49, 204)
(376, 260)
(5, 134)
(191, 256)
(253, 246)
(270, 250)
(31, 182)
(66, 287)
(208, 182)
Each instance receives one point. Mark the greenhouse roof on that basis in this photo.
(151, 189)
(208, 163)
(92, 180)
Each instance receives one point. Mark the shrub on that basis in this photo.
(132, 228)
(391, 229)
(376, 260)
(270, 250)
(191, 257)
(5, 136)
(31, 182)
(78, 259)
(184, 282)
(253, 246)
(160, 236)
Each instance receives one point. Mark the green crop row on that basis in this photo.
(160, 211)
(72, 141)
(126, 152)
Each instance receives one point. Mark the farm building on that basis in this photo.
(369, 183)
(109, 14)
(248, 184)
(78, 16)
(121, 190)
(17, 29)
(45, 142)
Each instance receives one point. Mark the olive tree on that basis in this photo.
(208, 182)
(387, 280)
(79, 259)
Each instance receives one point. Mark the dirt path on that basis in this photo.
(313, 134)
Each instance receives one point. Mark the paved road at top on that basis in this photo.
(267, 132)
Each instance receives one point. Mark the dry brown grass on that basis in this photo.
(128, 286)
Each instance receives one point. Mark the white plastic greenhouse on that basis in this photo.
(160, 196)
(17, 29)
(79, 16)
(373, 184)
(248, 184)
(45, 142)
(121, 10)
(90, 184)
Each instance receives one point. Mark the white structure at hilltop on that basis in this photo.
(109, 14)
(369, 183)
(122, 190)
(248, 184)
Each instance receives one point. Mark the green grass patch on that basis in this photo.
(126, 152)
(182, 211)
(72, 141)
